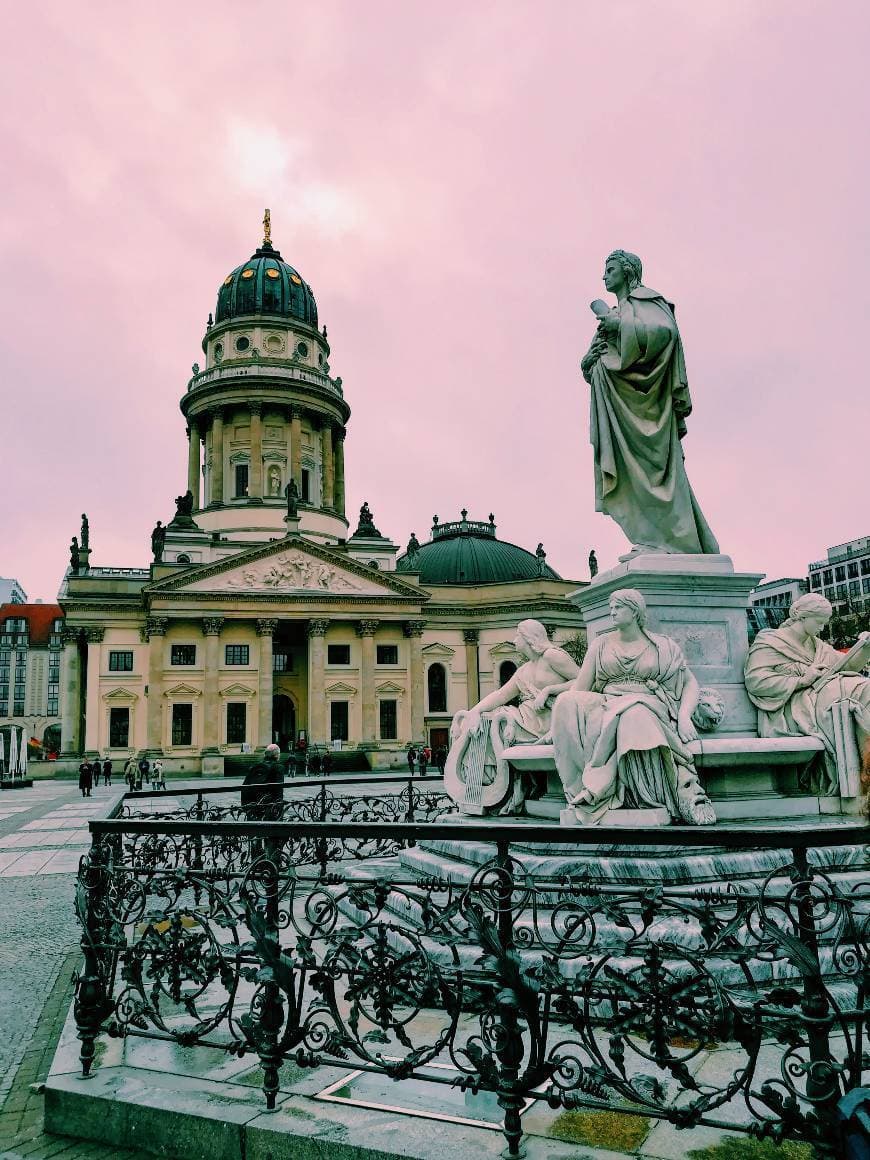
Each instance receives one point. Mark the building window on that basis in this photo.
(436, 679)
(338, 719)
(121, 661)
(389, 720)
(338, 654)
(182, 724)
(854, 587)
(282, 660)
(236, 722)
(241, 480)
(237, 654)
(841, 591)
(505, 671)
(388, 654)
(865, 567)
(840, 572)
(119, 728)
(829, 577)
(182, 654)
(866, 586)
(306, 485)
(815, 580)
(852, 569)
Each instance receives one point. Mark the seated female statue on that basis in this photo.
(622, 730)
(795, 679)
(479, 736)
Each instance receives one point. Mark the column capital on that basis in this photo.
(471, 635)
(338, 432)
(367, 627)
(266, 627)
(413, 627)
(155, 626)
(294, 412)
(212, 625)
(317, 627)
(94, 634)
(255, 406)
(70, 635)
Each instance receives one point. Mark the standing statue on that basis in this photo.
(621, 733)
(640, 402)
(158, 539)
(75, 560)
(799, 683)
(593, 565)
(542, 559)
(291, 491)
(86, 532)
(413, 549)
(476, 776)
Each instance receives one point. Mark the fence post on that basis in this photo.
(91, 1004)
(409, 815)
(510, 1048)
(270, 1005)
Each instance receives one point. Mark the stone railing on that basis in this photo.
(555, 991)
(264, 368)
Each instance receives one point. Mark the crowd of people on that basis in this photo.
(421, 757)
(138, 773)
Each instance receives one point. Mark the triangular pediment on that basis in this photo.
(437, 650)
(389, 689)
(505, 649)
(238, 690)
(340, 689)
(182, 690)
(120, 697)
(291, 566)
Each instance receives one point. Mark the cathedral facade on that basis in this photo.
(262, 616)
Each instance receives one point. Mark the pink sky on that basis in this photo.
(449, 178)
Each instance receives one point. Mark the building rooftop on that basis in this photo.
(40, 620)
(468, 552)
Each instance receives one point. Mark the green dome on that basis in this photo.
(266, 284)
(467, 552)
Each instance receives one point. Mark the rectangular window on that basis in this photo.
(338, 654)
(237, 654)
(52, 706)
(306, 486)
(236, 722)
(829, 577)
(389, 720)
(815, 580)
(841, 591)
(865, 584)
(19, 693)
(852, 569)
(388, 654)
(119, 728)
(121, 661)
(282, 660)
(241, 480)
(840, 572)
(865, 567)
(854, 587)
(338, 718)
(182, 654)
(18, 709)
(182, 724)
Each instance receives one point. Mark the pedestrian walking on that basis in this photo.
(144, 771)
(412, 757)
(107, 771)
(130, 772)
(96, 770)
(422, 761)
(441, 758)
(157, 779)
(86, 778)
(326, 762)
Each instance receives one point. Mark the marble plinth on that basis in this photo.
(630, 819)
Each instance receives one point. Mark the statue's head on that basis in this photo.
(633, 601)
(811, 611)
(709, 711)
(630, 265)
(531, 638)
(694, 805)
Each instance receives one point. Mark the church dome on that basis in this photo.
(468, 552)
(266, 284)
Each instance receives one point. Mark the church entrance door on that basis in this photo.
(283, 722)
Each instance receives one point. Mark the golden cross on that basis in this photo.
(267, 229)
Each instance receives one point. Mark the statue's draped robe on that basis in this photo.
(774, 666)
(640, 401)
(618, 745)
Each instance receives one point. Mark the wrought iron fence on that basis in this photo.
(267, 938)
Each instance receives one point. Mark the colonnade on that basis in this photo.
(331, 436)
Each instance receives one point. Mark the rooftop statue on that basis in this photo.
(479, 737)
(640, 403)
(158, 540)
(366, 526)
(798, 682)
(183, 517)
(291, 491)
(621, 731)
(75, 559)
(86, 532)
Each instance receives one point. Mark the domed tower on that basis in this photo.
(265, 410)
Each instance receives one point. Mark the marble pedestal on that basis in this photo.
(699, 601)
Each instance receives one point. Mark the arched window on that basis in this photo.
(436, 680)
(182, 558)
(505, 671)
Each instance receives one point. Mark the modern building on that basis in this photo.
(31, 649)
(11, 592)
(262, 616)
(778, 593)
(844, 577)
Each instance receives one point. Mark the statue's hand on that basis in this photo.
(540, 701)
(686, 728)
(610, 323)
(812, 674)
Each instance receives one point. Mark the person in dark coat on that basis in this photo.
(107, 771)
(441, 758)
(421, 760)
(263, 788)
(412, 757)
(96, 771)
(143, 771)
(326, 762)
(86, 778)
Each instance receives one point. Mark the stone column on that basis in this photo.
(265, 631)
(94, 636)
(472, 669)
(155, 631)
(193, 463)
(211, 628)
(413, 630)
(366, 630)
(255, 484)
(296, 446)
(71, 708)
(317, 723)
(338, 435)
(327, 499)
(217, 458)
